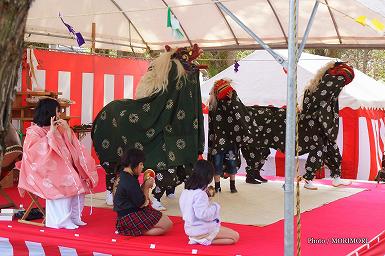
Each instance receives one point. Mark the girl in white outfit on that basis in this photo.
(201, 217)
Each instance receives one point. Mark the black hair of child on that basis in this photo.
(201, 176)
(131, 158)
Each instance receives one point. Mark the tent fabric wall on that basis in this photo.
(261, 81)
(122, 24)
(89, 80)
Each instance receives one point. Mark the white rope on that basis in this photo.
(133, 10)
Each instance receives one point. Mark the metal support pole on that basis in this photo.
(290, 130)
(93, 36)
(276, 56)
(308, 27)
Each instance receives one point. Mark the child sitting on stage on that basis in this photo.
(131, 201)
(201, 217)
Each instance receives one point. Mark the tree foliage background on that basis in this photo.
(217, 61)
(369, 61)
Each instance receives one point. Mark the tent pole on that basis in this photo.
(93, 36)
(290, 130)
(276, 56)
(308, 27)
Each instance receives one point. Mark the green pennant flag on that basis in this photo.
(173, 23)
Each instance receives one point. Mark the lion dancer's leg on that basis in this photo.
(333, 159)
(381, 175)
(170, 190)
(218, 160)
(381, 172)
(170, 193)
(225, 165)
(255, 161)
(182, 174)
(110, 179)
(165, 180)
(313, 164)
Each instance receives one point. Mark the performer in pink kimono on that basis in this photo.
(56, 167)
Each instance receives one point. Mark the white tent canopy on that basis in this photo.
(142, 24)
(262, 81)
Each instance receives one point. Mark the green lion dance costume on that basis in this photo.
(165, 121)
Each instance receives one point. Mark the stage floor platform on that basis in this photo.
(360, 215)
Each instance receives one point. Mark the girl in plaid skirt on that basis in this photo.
(131, 201)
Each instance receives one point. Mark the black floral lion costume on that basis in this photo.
(381, 173)
(165, 121)
(256, 129)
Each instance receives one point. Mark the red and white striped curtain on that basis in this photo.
(363, 139)
(88, 80)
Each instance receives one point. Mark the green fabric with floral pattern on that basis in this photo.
(168, 126)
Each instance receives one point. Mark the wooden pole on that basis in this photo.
(93, 35)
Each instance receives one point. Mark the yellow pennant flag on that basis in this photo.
(373, 23)
(361, 20)
(377, 25)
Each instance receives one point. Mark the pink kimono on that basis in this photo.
(54, 166)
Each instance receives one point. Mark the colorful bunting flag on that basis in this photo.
(77, 35)
(236, 66)
(378, 25)
(173, 23)
(373, 23)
